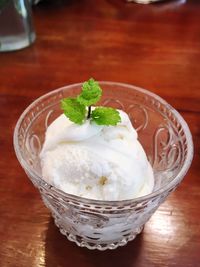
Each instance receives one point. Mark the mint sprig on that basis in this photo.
(80, 108)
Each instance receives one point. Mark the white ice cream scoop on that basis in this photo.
(97, 162)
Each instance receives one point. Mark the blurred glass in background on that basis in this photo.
(16, 27)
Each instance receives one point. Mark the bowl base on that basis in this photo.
(81, 240)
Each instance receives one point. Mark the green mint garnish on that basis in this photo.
(90, 94)
(72, 109)
(79, 109)
(105, 116)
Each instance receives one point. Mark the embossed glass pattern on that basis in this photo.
(102, 225)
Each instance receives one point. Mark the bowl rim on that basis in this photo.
(170, 185)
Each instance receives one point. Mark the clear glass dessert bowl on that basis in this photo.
(97, 224)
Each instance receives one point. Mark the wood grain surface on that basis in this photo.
(153, 46)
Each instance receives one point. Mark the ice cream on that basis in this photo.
(96, 162)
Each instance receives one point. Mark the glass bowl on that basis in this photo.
(97, 224)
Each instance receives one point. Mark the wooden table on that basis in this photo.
(153, 46)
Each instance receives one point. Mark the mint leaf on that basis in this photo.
(105, 116)
(73, 110)
(90, 94)
(80, 108)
